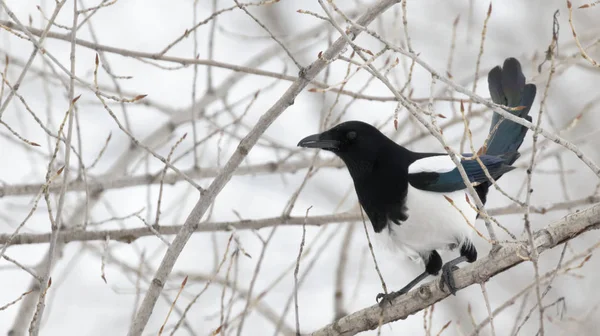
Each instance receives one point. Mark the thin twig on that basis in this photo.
(296, 309)
(477, 64)
(15, 300)
(488, 307)
(287, 51)
(533, 251)
(162, 327)
(581, 49)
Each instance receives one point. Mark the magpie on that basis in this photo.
(420, 199)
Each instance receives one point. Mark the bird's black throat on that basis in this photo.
(381, 183)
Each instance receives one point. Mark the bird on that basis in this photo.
(419, 198)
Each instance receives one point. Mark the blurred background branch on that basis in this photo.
(117, 118)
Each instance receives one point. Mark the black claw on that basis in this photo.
(388, 297)
(380, 296)
(448, 278)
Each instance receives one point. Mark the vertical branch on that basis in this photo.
(488, 307)
(533, 250)
(34, 327)
(408, 45)
(296, 273)
(477, 64)
(452, 47)
(211, 46)
(209, 87)
(280, 326)
(162, 180)
(340, 274)
(254, 277)
(206, 285)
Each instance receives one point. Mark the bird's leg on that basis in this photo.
(447, 273)
(382, 298)
(467, 253)
(433, 265)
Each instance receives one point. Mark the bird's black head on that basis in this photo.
(355, 142)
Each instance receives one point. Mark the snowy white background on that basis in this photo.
(81, 303)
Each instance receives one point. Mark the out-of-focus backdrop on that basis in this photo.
(149, 72)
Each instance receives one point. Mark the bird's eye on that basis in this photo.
(351, 135)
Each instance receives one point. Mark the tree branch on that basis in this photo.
(481, 271)
(193, 220)
(117, 182)
(129, 235)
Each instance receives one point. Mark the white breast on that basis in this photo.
(433, 222)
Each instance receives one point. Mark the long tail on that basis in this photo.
(507, 87)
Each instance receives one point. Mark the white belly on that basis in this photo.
(433, 223)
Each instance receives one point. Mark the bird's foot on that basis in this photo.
(381, 298)
(448, 278)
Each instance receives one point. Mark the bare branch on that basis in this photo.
(243, 149)
(481, 271)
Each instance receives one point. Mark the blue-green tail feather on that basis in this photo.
(507, 87)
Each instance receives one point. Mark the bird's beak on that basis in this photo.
(319, 141)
